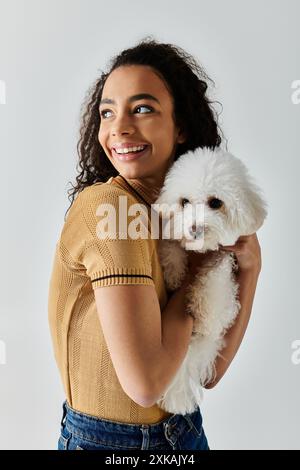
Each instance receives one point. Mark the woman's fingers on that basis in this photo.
(241, 241)
(247, 251)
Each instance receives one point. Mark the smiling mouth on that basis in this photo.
(130, 155)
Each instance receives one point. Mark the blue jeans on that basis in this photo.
(80, 431)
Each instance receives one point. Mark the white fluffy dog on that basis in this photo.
(214, 201)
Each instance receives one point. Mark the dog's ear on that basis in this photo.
(166, 207)
(161, 205)
(250, 209)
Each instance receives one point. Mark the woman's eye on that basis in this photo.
(102, 113)
(144, 106)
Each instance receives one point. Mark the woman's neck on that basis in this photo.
(149, 186)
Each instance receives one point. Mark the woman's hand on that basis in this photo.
(247, 251)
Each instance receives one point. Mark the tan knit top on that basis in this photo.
(83, 262)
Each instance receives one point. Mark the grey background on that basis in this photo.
(50, 53)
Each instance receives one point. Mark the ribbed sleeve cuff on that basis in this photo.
(121, 276)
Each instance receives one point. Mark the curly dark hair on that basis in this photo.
(185, 79)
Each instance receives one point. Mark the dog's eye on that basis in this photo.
(215, 203)
(184, 202)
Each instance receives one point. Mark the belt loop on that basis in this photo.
(145, 430)
(64, 413)
(170, 435)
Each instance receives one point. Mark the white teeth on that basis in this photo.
(130, 149)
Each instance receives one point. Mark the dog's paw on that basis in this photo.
(172, 280)
(174, 263)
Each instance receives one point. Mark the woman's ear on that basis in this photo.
(181, 137)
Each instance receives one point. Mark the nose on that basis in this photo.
(122, 130)
(122, 125)
(195, 230)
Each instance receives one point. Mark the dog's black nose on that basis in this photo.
(196, 231)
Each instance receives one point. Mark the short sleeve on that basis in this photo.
(100, 238)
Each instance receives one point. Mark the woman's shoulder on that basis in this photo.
(94, 200)
(90, 204)
(105, 192)
(103, 189)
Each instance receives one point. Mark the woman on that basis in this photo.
(118, 337)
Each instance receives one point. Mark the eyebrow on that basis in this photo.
(140, 96)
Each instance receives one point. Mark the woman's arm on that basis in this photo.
(176, 331)
(234, 335)
(146, 345)
(247, 251)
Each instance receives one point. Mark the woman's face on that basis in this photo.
(129, 119)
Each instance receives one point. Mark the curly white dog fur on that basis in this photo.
(214, 201)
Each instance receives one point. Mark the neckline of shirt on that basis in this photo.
(149, 194)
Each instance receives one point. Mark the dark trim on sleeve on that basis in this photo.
(121, 275)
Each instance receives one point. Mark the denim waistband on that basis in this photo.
(93, 428)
